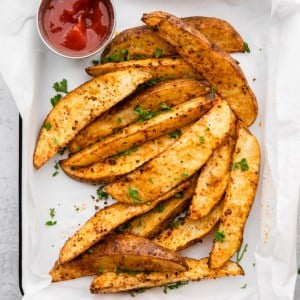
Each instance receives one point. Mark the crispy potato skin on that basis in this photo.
(239, 197)
(212, 182)
(158, 67)
(105, 221)
(215, 65)
(188, 231)
(198, 270)
(144, 41)
(80, 107)
(127, 252)
(171, 92)
(180, 160)
(137, 133)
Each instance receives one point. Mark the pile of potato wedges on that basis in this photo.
(163, 124)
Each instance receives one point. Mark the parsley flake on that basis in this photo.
(144, 114)
(102, 195)
(201, 140)
(54, 100)
(139, 291)
(246, 47)
(61, 86)
(158, 53)
(160, 208)
(243, 165)
(178, 195)
(173, 286)
(175, 134)
(133, 194)
(220, 236)
(165, 106)
(47, 126)
(175, 223)
(240, 253)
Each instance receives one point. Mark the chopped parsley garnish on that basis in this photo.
(243, 165)
(102, 195)
(175, 223)
(173, 286)
(118, 271)
(52, 215)
(90, 250)
(50, 223)
(158, 53)
(123, 55)
(56, 167)
(47, 126)
(246, 47)
(240, 253)
(150, 180)
(184, 174)
(119, 121)
(139, 56)
(100, 271)
(126, 152)
(201, 140)
(165, 106)
(244, 286)
(220, 236)
(154, 81)
(61, 86)
(175, 134)
(160, 208)
(178, 195)
(52, 212)
(56, 142)
(95, 62)
(124, 227)
(144, 114)
(133, 194)
(54, 100)
(139, 291)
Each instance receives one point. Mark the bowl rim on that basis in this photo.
(50, 46)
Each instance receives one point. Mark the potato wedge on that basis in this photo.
(179, 161)
(216, 66)
(239, 197)
(139, 132)
(170, 92)
(159, 68)
(212, 182)
(105, 221)
(198, 270)
(188, 231)
(114, 167)
(154, 221)
(142, 41)
(126, 252)
(80, 107)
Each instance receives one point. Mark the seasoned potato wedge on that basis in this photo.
(170, 92)
(198, 269)
(105, 221)
(139, 132)
(179, 161)
(213, 181)
(114, 167)
(239, 197)
(142, 41)
(161, 68)
(216, 66)
(80, 107)
(154, 221)
(127, 252)
(188, 231)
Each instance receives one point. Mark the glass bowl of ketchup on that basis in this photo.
(76, 28)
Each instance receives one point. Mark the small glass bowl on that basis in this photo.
(71, 53)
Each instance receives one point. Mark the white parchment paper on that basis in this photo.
(272, 31)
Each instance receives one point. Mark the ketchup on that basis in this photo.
(77, 26)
